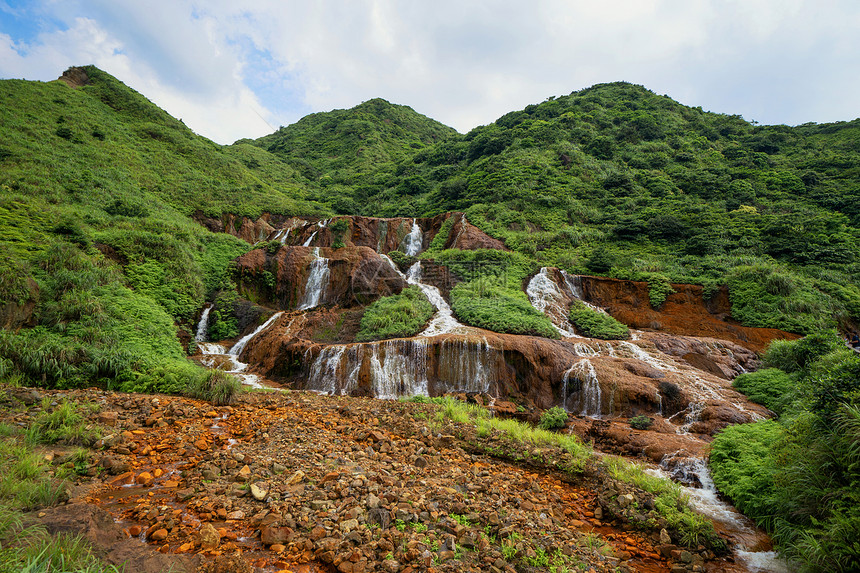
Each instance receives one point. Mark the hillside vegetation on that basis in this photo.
(616, 180)
(98, 187)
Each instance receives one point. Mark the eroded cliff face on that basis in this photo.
(686, 312)
(380, 234)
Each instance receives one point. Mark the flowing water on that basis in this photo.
(317, 282)
(706, 500)
(589, 388)
(412, 242)
(203, 325)
(310, 239)
(547, 298)
(443, 322)
(217, 356)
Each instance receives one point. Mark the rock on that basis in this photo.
(122, 479)
(664, 537)
(348, 525)
(158, 535)
(107, 418)
(273, 535)
(373, 502)
(625, 500)
(145, 479)
(258, 493)
(209, 537)
(296, 478)
(235, 515)
(244, 474)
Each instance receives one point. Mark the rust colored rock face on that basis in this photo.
(685, 312)
(380, 234)
(356, 275)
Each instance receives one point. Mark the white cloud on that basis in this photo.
(221, 65)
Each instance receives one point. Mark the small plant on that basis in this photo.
(594, 324)
(215, 386)
(553, 419)
(641, 422)
(400, 525)
(419, 527)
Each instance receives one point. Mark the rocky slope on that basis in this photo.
(301, 482)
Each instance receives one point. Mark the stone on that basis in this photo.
(373, 502)
(209, 536)
(244, 474)
(258, 492)
(108, 418)
(665, 539)
(158, 535)
(122, 479)
(348, 525)
(145, 479)
(274, 535)
(625, 500)
(296, 478)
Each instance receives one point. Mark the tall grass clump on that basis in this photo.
(215, 386)
(396, 316)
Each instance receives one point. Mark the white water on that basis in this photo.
(574, 285)
(317, 282)
(589, 393)
(706, 500)
(413, 241)
(237, 348)
(443, 322)
(203, 325)
(214, 355)
(468, 365)
(547, 298)
(310, 239)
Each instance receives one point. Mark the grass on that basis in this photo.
(595, 324)
(670, 502)
(396, 316)
(63, 423)
(217, 387)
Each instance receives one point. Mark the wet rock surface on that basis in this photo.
(297, 481)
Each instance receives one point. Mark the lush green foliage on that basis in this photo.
(641, 422)
(216, 386)
(770, 387)
(395, 316)
(799, 477)
(553, 419)
(617, 180)
(596, 324)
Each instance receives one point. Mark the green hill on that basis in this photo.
(617, 180)
(95, 175)
(342, 152)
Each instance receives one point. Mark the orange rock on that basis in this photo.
(158, 472)
(145, 479)
(122, 479)
(331, 476)
(159, 535)
(135, 530)
(185, 548)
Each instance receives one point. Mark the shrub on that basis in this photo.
(486, 305)
(797, 355)
(770, 387)
(395, 316)
(596, 324)
(553, 419)
(215, 386)
(658, 289)
(641, 422)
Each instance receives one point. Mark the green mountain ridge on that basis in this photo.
(98, 185)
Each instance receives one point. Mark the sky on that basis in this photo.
(233, 69)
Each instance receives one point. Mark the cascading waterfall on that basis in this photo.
(399, 368)
(325, 370)
(582, 349)
(443, 322)
(706, 500)
(547, 298)
(590, 395)
(237, 348)
(317, 282)
(413, 241)
(468, 365)
(203, 325)
(574, 285)
(310, 239)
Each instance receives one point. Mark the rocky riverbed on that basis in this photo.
(295, 481)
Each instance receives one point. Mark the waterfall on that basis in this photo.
(582, 349)
(547, 298)
(399, 368)
(317, 282)
(443, 322)
(706, 500)
(237, 348)
(590, 396)
(310, 239)
(413, 241)
(323, 376)
(203, 325)
(467, 365)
